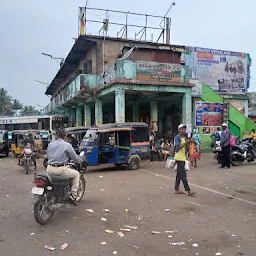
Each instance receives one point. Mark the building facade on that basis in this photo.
(106, 80)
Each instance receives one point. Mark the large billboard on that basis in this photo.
(223, 71)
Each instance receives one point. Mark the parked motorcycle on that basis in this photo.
(26, 161)
(217, 150)
(242, 151)
(53, 191)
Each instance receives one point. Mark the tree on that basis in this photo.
(5, 102)
(17, 105)
(29, 111)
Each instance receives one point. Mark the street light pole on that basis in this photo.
(54, 58)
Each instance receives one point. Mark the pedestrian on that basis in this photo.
(194, 150)
(224, 143)
(215, 136)
(180, 158)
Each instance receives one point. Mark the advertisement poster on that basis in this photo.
(239, 105)
(156, 71)
(223, 71)
(209, 113)
(206, 131)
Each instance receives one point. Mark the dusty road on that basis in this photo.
(222, 218)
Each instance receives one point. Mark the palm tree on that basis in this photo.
(29, 111)
(5, 102)
(17, 105)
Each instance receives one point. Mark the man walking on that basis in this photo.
(224, 142)
(180, 158)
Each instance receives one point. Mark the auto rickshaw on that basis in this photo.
(118, 144)
(17, 140)
(4, 145)
(77, 132)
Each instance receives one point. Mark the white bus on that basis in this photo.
(47, 122)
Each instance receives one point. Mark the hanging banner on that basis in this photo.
(223, 71)
(81, 21)
(209, 113)
(155, 71)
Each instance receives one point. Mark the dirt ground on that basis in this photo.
(220, 219)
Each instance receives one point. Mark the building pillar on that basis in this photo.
(154, 115)
(135, 112)
(87, 115)
(98, 112)
(120, 105)
(187, 111)
(79, 116)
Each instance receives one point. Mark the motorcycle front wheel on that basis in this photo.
(42, 212)
(26, 166)
(81, 189)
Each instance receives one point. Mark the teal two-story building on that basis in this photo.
(106, 80)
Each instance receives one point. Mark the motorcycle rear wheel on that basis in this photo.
(42, 213)
(233, 161)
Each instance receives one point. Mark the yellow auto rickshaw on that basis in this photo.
(17, 140)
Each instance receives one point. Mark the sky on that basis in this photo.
(30, 27)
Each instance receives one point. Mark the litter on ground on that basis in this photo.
(125, 229)
(178, 243)
(167, 210)
(64, 246)
(90, 210)
(47, 247)
(109, 231)
(156, 232)
(104, 219)
(195, 245)
(114, 252)
(103, 243)
(218, 254)
(121, 234)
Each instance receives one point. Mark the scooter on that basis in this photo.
(51, 192)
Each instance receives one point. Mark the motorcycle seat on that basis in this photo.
(51, 177)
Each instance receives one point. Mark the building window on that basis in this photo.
(88, 67)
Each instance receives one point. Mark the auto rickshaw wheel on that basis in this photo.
(134, 164)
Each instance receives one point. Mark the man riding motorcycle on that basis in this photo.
(28, 142)
(59, 153)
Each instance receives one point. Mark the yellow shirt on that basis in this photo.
(253, 135)
(181, 154)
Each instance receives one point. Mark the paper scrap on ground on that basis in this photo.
(114, 252)
(109, 231)
(125, 229)
(90, 210)
(131, 227)
(106, 210)
(103, 243)
(171, 231)
(170, 236)
(104, 219)
(156, 232)
(178, 243)
(102, 189)
(195, 245)
(121, 234)
(233, 235)
(167, 210)
(126, 210)
(32, 234)
(218, 254)
(49, 248)
(64, 246)
(100, 176)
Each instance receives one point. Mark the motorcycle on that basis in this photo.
(53, 191)
(26, 161)
(242, 151)
(217, 150)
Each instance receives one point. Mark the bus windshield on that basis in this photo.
(91, 135)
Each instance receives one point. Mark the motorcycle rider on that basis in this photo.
(28, 142)
(59, 152)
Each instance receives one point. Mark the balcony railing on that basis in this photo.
(122, 69)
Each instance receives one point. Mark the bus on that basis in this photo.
(45, 122)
